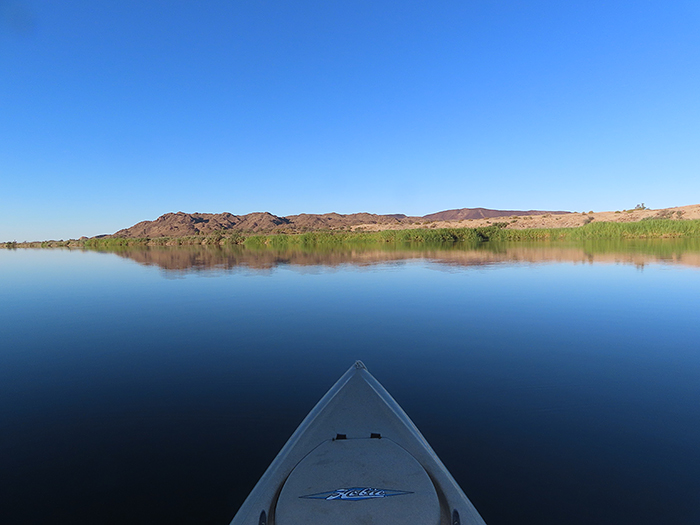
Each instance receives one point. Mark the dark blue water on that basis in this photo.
(155, 387)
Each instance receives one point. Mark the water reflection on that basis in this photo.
(131, 395)
(640, 253)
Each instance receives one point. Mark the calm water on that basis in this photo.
(559, 383)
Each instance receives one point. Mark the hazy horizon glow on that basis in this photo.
(114, 113)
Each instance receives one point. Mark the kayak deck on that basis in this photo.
(357, 458)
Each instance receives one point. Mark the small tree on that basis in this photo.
(640, 207)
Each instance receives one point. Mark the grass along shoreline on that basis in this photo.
(644, 229)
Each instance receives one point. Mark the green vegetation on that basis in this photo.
(661, 226)
(437, 235)
(215, 238)
(647, 229)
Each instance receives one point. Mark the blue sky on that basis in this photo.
(116, 112)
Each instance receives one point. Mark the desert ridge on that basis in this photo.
(182, 224)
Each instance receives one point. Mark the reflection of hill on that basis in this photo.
(639, 253)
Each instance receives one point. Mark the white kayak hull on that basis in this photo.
(357, 458)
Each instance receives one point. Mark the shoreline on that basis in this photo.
(545, 221)
(652, 226)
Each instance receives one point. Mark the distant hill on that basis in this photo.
(464, 214)
(182, 224)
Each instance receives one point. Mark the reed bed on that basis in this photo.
(440, 235)
(646, 229)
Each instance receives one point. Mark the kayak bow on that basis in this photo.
(357, 458)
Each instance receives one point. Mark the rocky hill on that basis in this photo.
(182, 224)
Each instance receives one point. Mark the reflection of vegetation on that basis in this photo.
(478, 253)
(657, 248)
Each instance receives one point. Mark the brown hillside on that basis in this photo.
(464, 214)
(184, 224)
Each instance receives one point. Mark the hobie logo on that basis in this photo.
(356, 493)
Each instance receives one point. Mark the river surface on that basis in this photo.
(559, 383)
